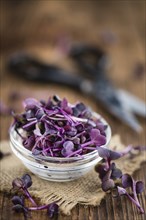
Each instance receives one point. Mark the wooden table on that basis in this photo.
(35, 26)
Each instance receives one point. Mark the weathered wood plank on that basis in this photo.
(36, 25)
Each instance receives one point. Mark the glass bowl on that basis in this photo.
(55, 168)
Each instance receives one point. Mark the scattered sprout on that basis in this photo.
(133, 199)
(52, 210)
(109, 174)
(139, 70)
(19, 201)
(4, 109)
(24, 183)
(19, 206)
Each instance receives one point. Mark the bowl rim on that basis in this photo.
(22, 149)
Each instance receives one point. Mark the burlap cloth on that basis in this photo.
(85, 190)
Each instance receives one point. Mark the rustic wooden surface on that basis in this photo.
(35, 26)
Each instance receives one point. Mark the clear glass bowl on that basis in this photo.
(55, 168)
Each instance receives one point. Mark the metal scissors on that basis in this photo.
(93, 81)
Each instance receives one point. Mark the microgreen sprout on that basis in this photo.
(109, 174)
(4, 109)
(58, 129)
(19, 206)
(24, 183)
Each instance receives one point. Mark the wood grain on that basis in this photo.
(110, 208)
(35, 26)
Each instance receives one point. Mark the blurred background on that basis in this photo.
(46, 29)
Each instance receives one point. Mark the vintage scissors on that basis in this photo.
(93, 81)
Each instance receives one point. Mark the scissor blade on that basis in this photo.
(109, 97)
(132, 103)
(127, 117)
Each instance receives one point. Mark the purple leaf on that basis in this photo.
(114, 155)
(101, 140)
(65, 106)
(107, 185)
(4, 110)
(72, 132)
(18, 208)
(30, 114)
(52, 210)
(68, 145)
(94, 134)
(29, 141)
(106, 153)
(97, 137)
(30, 103)
(68, 148)
(80, 106)
(14, 96)
(27, 181)
(139, 187)
(127, 181)
(40, 113)
(116, 173)
(107, 176)
(76, 112)
(78, 109)
(107, 182)
(101, 127)
(99, 168)
(18, 200)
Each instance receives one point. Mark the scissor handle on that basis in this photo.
(30, 68)
(90, 58)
